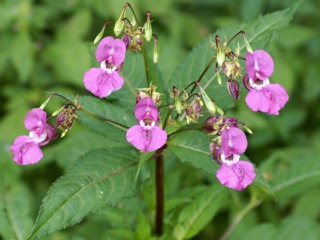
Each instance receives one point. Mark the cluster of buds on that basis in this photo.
(191, 105)
(131, 33)
(149, 92)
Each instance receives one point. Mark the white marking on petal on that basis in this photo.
(36, 138)
(259, 86)
(229, 161)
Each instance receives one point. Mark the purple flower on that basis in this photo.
(146, 108)
(106, 79)
(26, 149)
(147, 136)
(269, 99)
(35, 120)
(259, 65)
(233, 141)
(235, 173)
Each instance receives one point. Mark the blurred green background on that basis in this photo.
(44, 48)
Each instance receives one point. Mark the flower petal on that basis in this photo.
(101, 83)
(35, 120)
(146, 108)
(146, 140)
(257, 100)
(259, 65)
(51, 135)
(237, 176)
(269, 99)
(234, 141)
(26, 151)
(112, 50)
(278, 97)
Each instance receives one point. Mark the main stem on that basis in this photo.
(159, 194)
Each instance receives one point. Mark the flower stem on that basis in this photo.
(146, 68)
(203, 73)
(159, 178)
(239, 217)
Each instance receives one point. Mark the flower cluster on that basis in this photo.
(26, 149)
(262, 95)
(147, 136)
(233, 173)
(106, 79)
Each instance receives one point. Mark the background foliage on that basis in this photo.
(44, 48)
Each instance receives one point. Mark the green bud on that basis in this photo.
(155, 51)
(249, 49)
(247, 129)
(148, 28)
(57, 111)
(177, 101)
(220, 56)
(99, 36)
(219, 78)
(133, 22)
(43, 105)
(207, 101)
(118, 27)
(238, 49)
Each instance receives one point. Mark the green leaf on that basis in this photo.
(111, 111)
(119, 233)
(15, 206)
(22, 55)
(196, 215)
(63, 56)
(298, 228)
(293, 171)
(143, 231)
(258, 33)
(192, 147)
(93, 183)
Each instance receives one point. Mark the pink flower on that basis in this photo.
(234, 173)
(147, 136)
(106, 79)
(26, 149)
(233, 141)
(35, 120)
(269, 99)
(259, 65)
(146, 108)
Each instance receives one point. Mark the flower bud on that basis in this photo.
(216, 152)
(207, 101)
(196, 107)
(118, 27)
(219, 78)
(148, 28)
(215, 124)
(65, 120)
(249, 49)
(127, 40)
(220, 53)
(238, 49)
(99, 36)
(233, 88)
(155, 51)
(220, 56)
(177, 101)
